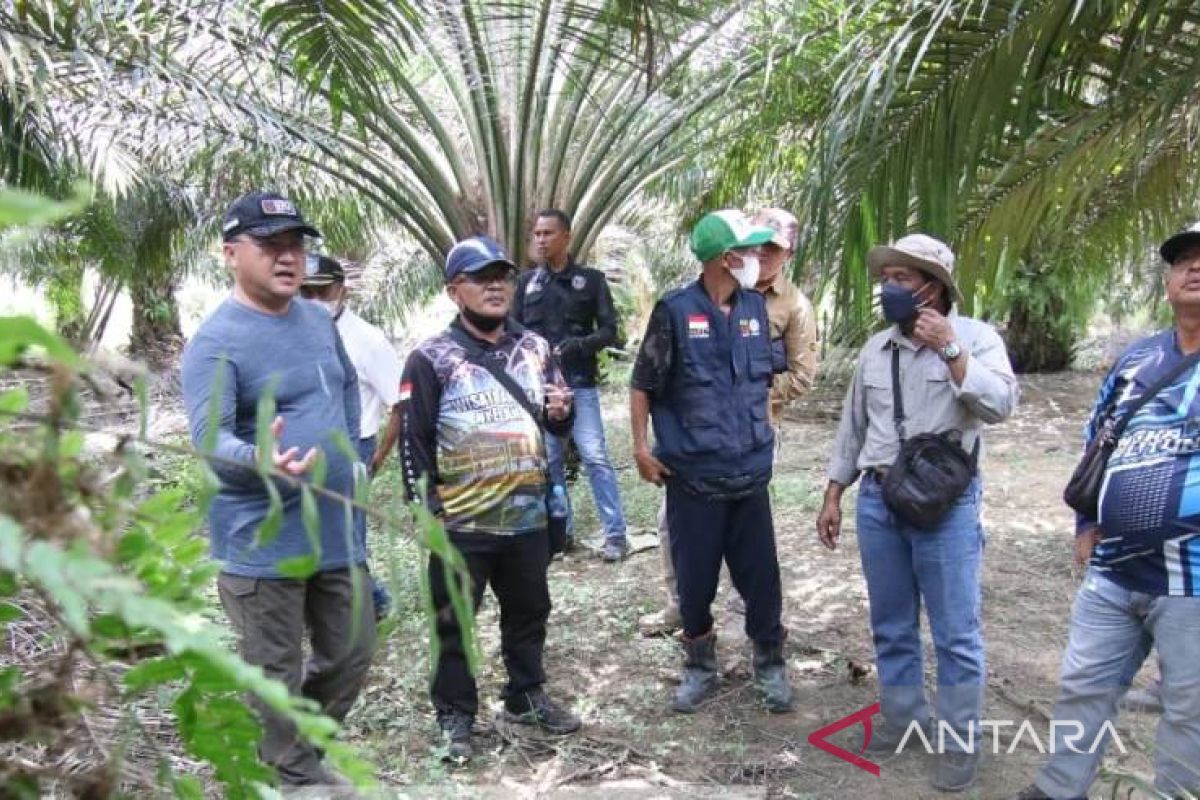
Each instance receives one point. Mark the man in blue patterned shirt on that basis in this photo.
(1143, 580)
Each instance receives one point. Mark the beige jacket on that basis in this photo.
(791, 318)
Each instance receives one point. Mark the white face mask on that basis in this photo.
(333, 307)
(747, 275)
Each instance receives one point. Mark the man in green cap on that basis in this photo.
(704, 375)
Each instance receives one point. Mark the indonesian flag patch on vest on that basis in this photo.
(405, 391)
(697, 326)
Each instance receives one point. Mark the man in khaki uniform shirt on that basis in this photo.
(790, 314)
(794, 358)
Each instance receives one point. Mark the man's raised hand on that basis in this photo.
(287, 460)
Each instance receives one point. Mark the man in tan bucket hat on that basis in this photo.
(952, 374)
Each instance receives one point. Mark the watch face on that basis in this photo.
(951, 351)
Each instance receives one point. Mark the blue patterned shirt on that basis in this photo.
(1150, 501)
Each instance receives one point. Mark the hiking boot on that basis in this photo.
(885, 738)
(770, 677)
(955, 771)
(661, 623)
(699, 673)
(1147, 701)
(614, 549)
(536, 708)
(456, 732)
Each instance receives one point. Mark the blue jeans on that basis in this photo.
(366, 451)
(588, 433)
(1111, 630)
(904, 566)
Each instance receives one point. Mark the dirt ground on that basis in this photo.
(633, 746)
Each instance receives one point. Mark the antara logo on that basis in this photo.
(1063, 735)
(820, 739)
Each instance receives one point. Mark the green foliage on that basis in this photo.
(453, 118)
(118, 575)
(122, 573)
(1050, 133)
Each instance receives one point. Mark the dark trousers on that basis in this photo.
(271, 617)
(515, 566)
(705, 531)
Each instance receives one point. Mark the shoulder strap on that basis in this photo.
(476, 355)
(897, 396)
(1167, 378)
(898, 405)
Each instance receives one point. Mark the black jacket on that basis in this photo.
(573, 310)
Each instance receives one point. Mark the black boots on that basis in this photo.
(770, 677)
(699, 673)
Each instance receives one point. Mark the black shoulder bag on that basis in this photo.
(931, 471)
(1083, 489)
(556, 526)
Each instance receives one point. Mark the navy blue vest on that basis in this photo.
(711, 419)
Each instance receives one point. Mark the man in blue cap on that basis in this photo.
(226, 370)
(477, 402)
(704, 374)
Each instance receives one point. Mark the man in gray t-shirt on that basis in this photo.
(260, 340)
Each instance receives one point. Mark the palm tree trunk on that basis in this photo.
(65, 295)
(156, 335)
(1041, 332)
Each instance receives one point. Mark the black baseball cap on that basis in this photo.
(322, 271)
(1173, 248)
(263, 214)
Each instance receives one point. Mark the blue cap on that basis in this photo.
(472, 255)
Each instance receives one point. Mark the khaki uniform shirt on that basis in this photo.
(790, 316)
(933, 403)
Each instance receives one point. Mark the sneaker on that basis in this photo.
(615, 549)
(661, 623)
(536, 708)
(954, 772)
(456, 731)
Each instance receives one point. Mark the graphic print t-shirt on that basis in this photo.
(482, 454)
(1150, 502)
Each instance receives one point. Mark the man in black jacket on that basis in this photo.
(481, 456)
(572, 308)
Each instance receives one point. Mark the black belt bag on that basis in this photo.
(932, 470)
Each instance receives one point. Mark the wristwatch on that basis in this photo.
(950, 352)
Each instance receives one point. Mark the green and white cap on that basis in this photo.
(725, 230)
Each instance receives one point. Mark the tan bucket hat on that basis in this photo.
(919, 251)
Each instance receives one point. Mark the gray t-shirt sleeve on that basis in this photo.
(209, 380)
